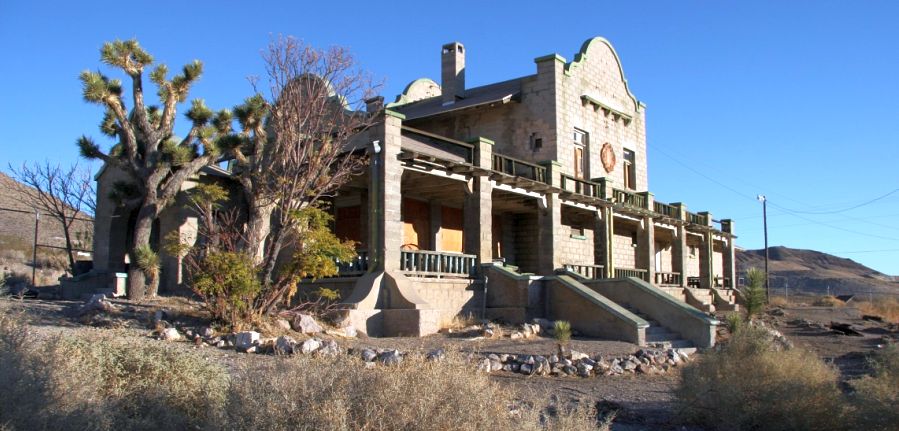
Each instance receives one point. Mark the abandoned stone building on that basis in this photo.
(520, 199)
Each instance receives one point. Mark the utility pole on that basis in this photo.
(764, 202)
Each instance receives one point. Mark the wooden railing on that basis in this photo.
(697, 219)
(583, 187)
(630, 199)
(357, 266)
(632, 272)
(668, 278)
(436, 263)
(518, 168)
(665, 209)
(590, 272)
(723, 282)
(694, 282)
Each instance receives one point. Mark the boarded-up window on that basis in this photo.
(630, 170)
(580, 153)
(416, 216)
(497, 234)
(348, 224)
(451, 229)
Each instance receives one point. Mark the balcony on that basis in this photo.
(519, 168)
(666, 210)
(590, 189)
(629, 199)
(590, 272)
(632, 272)
(355, 267)
(668, 279)
(426, 263)
(697, 219)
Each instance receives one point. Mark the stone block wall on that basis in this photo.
(452, 297)
(577, 243)
(624, 253)
(526, 249)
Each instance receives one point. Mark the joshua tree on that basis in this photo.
(154, 160)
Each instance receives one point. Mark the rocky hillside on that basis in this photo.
(813, 271)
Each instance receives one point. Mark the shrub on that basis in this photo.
(562, 331)
(102, 383)
(876, 397)
(828, 301)
(734, 323)
(747, 384)
(228, 284)
(754, 292)
(340, 394)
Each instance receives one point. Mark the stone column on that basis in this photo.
(435, 222)
(730, 261)
(385, 196)
(679, 245)
(646, 242)
(602, 239)
(549, 221)
(478, 207)
(706, 255)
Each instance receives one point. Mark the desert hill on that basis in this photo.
(812, 271)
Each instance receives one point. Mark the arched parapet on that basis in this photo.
(593, 50)
(421, 88)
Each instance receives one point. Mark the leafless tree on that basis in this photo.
(292, 149)
(66, 194)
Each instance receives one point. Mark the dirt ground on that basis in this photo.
(641, 401)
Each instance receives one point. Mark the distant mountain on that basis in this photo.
(812, 271)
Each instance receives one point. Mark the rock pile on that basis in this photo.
(644, 361)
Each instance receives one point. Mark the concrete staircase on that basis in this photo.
(702, 299)
(725, 299)
(660, 336)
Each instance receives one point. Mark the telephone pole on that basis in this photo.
(764, 202)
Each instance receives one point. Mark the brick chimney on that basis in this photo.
(452, 72)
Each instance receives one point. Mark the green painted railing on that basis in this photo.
(590, 272)
(632, 272)
(665, 209)
(697, 219)
(583, 187)
(437, 263)
(630, 199)
(518, 168)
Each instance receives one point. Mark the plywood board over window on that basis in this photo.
(416, 216)
(348, 224)
(451, 229)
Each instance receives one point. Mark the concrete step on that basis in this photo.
(680, 345)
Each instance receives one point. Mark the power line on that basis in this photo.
(868, 202)
(832, 226)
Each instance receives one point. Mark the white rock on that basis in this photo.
(283, 324)
(170, 334)
(305, 324)
(310, 346)
(243, 341)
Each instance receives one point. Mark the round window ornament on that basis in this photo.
(607, 156)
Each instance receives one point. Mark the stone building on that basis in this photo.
(520, 199)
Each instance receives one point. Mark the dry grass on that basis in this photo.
(104, 383)
(778, 301)
(887, 308)
(828, 301)
(460, 321)
(876, 398)
(748, 385)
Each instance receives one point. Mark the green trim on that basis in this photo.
(581, 57)
(552, 56)
(482, 140)
(549, 163)
(394, 114)
(602, 301)
(578, 237)
(403, 98)
(586, 98)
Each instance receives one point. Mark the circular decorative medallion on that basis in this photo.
(607, 156)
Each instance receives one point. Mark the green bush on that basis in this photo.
(748, 384)
(754, 292)
(228, 283)
(734, 323)
(562, 331)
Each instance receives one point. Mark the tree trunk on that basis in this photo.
(69, 247)
(137, 279)
(258, 228)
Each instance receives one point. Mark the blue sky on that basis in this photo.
(795, 100)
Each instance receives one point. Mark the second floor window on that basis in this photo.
(581, 143)
(630, 170)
